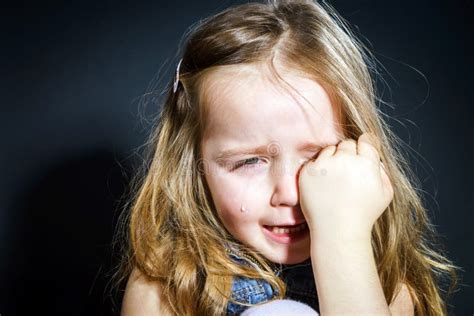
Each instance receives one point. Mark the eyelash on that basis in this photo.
(244, 162)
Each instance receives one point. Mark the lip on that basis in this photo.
(288, 224)
(286, 238)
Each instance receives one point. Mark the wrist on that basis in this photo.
(343, 248)
(343, 237)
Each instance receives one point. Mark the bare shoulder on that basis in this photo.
(143, 297)
(403, 303)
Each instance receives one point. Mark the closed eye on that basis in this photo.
(249, 161)
(254, 160)
(315, 155)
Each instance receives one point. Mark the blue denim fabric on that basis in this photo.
(298, 278)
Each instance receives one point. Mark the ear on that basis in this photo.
(403, 303)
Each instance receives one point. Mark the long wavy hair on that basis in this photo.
(171, 232)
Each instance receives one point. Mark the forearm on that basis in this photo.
(346, 277)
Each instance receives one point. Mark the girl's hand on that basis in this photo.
(345, 190)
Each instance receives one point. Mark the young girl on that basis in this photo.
(265, 190)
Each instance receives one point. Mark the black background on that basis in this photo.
(72, 124)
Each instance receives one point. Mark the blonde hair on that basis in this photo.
(173, 234)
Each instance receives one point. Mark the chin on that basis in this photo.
(292, 256)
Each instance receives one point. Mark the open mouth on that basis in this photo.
(287, 234)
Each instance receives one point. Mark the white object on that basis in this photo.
(281, 308)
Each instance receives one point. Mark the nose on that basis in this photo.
(285, 185)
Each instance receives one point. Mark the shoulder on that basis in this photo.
(143, 297)
(403, 302)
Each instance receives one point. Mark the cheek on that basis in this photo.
(229, 208)
(234, 219)
(229, 204)
(230, 192)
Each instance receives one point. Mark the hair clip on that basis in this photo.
(176, 79)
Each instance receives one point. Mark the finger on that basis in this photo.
(327, 151)
(348, 146)
(365, 147)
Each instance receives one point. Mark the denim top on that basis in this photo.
(299, 281)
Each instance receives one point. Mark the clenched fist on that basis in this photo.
(345, 189)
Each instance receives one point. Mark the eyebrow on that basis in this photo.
(264, 149)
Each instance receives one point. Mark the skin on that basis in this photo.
(246, 110)
(341, 222)
(281, 185)
(338, 186)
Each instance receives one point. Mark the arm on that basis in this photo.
(348, 274)
(346, 277)
(142, 297)
(341, 207)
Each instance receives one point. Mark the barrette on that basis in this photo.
(176, 79)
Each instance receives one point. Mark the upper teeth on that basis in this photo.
(279, 230)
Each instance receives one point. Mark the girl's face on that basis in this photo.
(258, 136)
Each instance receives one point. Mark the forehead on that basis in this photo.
(248, 101)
